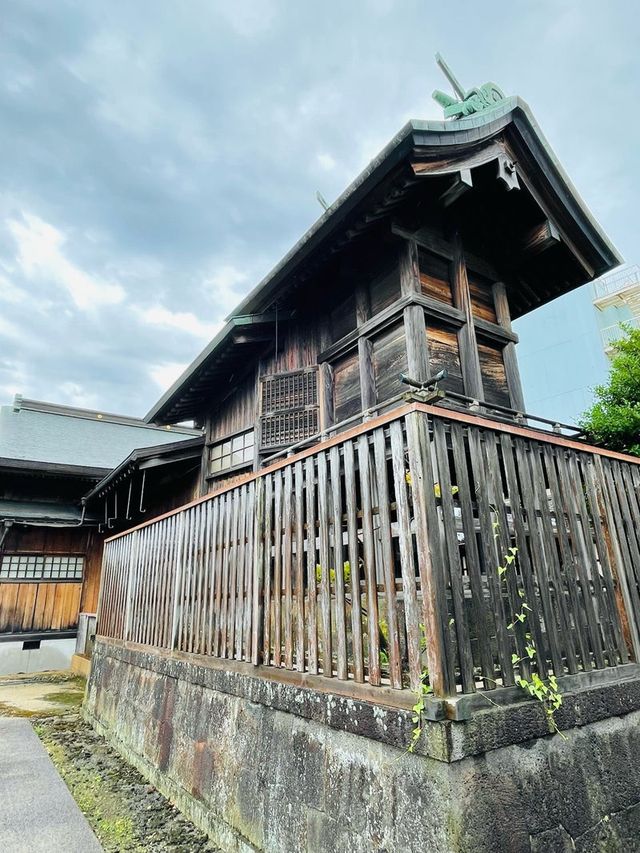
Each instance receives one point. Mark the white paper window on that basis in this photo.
(36, 567)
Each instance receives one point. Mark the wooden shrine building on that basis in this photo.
(361, 538)
(452, 232)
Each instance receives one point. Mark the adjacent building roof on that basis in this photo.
(440, 142)
(144, 458)
(64, 438)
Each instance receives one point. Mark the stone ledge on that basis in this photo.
(443, 740)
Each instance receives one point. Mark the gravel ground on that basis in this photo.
(126, 813)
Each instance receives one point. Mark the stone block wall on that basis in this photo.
(265, 765)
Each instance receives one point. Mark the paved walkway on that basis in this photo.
(37, 812)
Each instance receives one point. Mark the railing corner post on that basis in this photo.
(429, 566)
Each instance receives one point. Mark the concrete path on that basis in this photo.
(37, 812)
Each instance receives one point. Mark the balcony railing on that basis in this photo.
(616, 282)
(611, 334)
(422, 539)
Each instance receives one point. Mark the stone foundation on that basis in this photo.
(269, 765)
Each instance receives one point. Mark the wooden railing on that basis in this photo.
(376, 555)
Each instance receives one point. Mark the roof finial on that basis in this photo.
(474, 101)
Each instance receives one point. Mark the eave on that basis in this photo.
(443, 149)
(145, 456)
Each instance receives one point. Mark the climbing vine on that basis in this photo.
(421, 692)
(545, 691)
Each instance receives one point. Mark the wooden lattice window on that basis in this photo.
(288, 407)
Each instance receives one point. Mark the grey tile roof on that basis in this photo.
(62, 435)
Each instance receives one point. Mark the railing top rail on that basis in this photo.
(381, 420)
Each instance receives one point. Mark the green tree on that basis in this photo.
(614, 419)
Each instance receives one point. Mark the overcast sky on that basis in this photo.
(157, 158)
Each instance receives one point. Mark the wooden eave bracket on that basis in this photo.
(461, 183)
(507, 172)
(540, 238)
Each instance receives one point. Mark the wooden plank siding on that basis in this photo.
(38, 606)
(398, 308)
(377, 552)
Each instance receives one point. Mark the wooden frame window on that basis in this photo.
(39, 567)
(236, 451)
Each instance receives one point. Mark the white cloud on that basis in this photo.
(40, 256)
(76, 395)
(9, 330)
(10, 293)
(166, 374)
(326, 162)
(221, 286)
(185, 321)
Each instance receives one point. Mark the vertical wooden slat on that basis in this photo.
(325, 580)
(249, 568)
(369, 561)
(259, 548)
(342, 669)
(299, 585)
(388, 568)
(433, 593)
(465, 656)
(312, 609)
(277, 570)
(593, 563)
(478, 607)
(490, 557)
(407, 561)
(534, 561)
(354, 561)
(218, 558)
(605, 558)
(238, 510)
(565, 642)
(266, 634)
(626, 552)
(287, 566)
(581, 557)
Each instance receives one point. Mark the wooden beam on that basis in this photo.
(409, 269)
(461, 184)
(469, 359)
(415, 331)
(503, 314)
(326, 395)
(365, 350)
(540, 237)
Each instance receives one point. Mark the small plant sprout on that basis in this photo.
(545, 691)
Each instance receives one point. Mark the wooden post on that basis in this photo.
(509, 356)
(130, 584)
(431, 573)
(178, 583)
(325, 388)
(415, 327)
(469, 359)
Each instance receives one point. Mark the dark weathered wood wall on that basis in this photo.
(411, 304)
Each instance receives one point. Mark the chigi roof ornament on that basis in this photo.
(467, 102)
